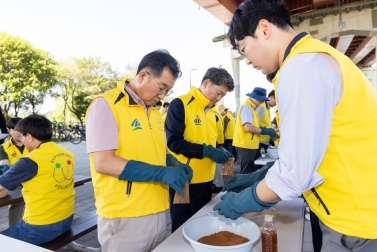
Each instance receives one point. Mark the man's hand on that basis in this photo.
(234, 205)
(240, 182)
(268, 131)
(172, 161)
(137, 171)
(219, 156)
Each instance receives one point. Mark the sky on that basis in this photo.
(121, 32)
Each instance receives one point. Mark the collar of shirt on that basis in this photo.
(136, 98)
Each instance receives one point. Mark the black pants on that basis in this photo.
(200, 195)
(246, 157)
(228, 145)
(316, 232)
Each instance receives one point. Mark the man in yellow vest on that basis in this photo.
(191, 134)
(130, 168)
(229, 124)
(326, 156)
(47, 177)
(10, 152)
(248, 130)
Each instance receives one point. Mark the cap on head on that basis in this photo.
(258, 94)
(221, 108)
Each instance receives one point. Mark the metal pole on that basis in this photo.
(190, 78)
(191, 69)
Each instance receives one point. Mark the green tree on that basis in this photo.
(81, 80)
(26, 74)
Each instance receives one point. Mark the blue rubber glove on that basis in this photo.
(268, 131)
(240, 182)
(234, 205)
(223, 149)
(4, 168)
(172, 161)
(219, 156)
(137, 171)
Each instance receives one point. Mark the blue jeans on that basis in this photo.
(38, 234)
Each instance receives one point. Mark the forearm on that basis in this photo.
(252, 129)
(175, 128)
(2, 136)
(107, 163)
(4, 162)
(265, 194)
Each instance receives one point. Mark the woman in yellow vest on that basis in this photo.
(10, 152)
(47, 177)
(325, 156)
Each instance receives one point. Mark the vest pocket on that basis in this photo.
(320, 201)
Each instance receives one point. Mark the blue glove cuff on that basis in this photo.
(263, 131)
(261, 203)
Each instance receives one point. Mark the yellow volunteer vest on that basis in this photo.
(229, 131)
(49, 196)
(266, 122)
(277, 141)
(164, 120)
(241, 137)
(13, 152)
(141, 139)
(219, 127)
(200, 128)
(349, 171)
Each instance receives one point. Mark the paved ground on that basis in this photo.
(84, 201)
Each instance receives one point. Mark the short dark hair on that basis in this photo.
(37, 126)
(272, 93)
(157, 60)
(219, 76)
(166, 104)
(11, 123)
(159, 103)
(246, 18)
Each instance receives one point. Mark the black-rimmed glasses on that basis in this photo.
(239, 46)
(161, 90)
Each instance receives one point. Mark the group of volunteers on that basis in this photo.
(322, 144)
(140, 160)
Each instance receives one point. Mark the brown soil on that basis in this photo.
(223, 238)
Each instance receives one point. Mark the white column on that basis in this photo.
(236, 80)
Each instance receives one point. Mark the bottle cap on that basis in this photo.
(268, 218)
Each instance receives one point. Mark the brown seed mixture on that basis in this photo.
(223, 238)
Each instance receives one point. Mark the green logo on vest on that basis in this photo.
(197, 121)
(135, 123)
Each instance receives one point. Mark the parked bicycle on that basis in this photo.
(77, 134)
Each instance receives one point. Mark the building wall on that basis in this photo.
(370, 73)
(325, 28)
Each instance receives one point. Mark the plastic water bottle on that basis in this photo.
(269, 235)
(262, 153)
